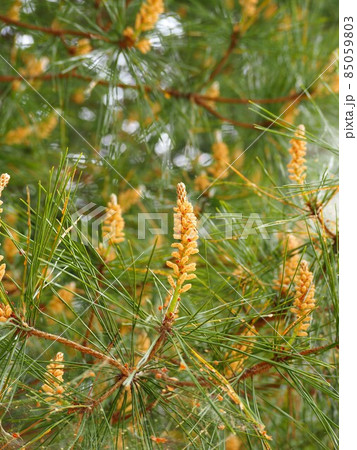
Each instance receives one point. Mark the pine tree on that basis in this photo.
(169, 233)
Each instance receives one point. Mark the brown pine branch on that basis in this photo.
(257, 369)
(107, 394)
(265, 366)
(30, 331)
(219, 116)
(53, 31)
(236, 34)
(171, 92)
(316, 213)
(117, 414)
(165, 330)
(261, 101)
(90, 406)
(198, 99)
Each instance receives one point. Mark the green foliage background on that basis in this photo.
(142, 124)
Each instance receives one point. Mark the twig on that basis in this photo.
(219, 116)
(316, 212)
(236, 33)
(165, 330)
(171, 92)
(53, 31)
(198, 99)
(116, 415)
(259, 189)
(261, 101)
(86, 350)
(265, 366)
(255, 370)
(92, 405)
(107, 394)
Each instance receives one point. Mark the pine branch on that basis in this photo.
(54, 31)
(236, 34)
(30, 331)
(258, 369)
(195, 97)
(226, 119)
(95, 403)
(265, 366)
(316, 213)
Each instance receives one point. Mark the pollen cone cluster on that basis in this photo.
(288, 271)
(242, 350)
(9, 247)
(41, 130)
(233, 443)
(5, 312)
(221, 160)
(55, 371)
(82, 48)
(296, 166)
(114, 223)
(304, 301)
(149, 14)
(44, 129)
(4, 180)
(185, 230)
(202, 182)
(14, 12)
(145, 20)
(212, 91)
(249, 7)
(34, 66)
(129, 198)
(64, 296)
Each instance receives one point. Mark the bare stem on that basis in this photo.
(53, 31)
(219, 116)
(108, 393)
(85, 350)
(265, 366)
(317, 213)
(236, 33)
